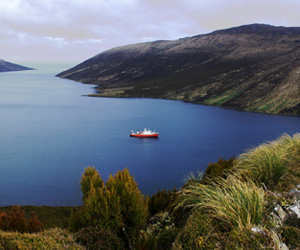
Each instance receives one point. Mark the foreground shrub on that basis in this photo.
(34, 224)
(161, 201)
(162, 240)
(202, 232)
(252, 239)
(117, 206)
(47, 240)
(231, 201)
(49, 217)
(94, 238)
(220, 168)
(77, 220)
(166, 238)
(16, 220)
(89, 178)
(196, 233)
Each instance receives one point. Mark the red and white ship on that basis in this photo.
(146, 133)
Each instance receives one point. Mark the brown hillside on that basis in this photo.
(254, 67)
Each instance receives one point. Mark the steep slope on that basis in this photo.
(7, 66)
(253, 67)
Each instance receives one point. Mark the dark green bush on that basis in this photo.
(161, 201)
(95, 238)
(117, 206)
(77, 221)
(166, 238)
(218, 169)
(196, 233)
(90, 177)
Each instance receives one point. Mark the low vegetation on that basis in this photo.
(161, 201)
(48, 240)
(95, 238)
(231, 201)
(50, 217)
(15, 220)
(275, 164)
(246, 202)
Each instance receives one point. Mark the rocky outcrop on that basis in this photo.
(253, 67)
(7, 66)
(281, 213)
(286, 217)
(291, 211)
(295, 194)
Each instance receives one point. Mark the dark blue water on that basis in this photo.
(49, 132)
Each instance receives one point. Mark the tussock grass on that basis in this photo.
(266, 163)
(232, 201)
(292, 146)
(273, 163)
(193, 178)
(229, 206)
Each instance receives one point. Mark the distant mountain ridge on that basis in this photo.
(7, 66)
(252, 67)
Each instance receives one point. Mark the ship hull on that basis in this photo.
(144, 136)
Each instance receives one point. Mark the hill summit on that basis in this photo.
(252, 67)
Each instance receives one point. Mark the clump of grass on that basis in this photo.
(292, 146)
(193, 178)
(232, 201)
(266, 163)
(228, 206)
(273, 163)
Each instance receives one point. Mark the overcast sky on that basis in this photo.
(74, 30)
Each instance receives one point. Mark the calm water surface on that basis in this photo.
(49, 132)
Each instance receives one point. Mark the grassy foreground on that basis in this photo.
(234, 207)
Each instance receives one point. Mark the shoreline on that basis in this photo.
(99, 95)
